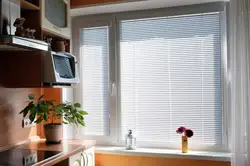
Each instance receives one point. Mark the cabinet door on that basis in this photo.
(91, 159)
(56, 17)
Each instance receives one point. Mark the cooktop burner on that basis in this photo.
(24, 157)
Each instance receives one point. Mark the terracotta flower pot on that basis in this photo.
(53, 133)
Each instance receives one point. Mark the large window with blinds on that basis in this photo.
(170, 70)
(153, 75)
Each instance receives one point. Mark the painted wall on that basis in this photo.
(80, 3)
(119, 160)
(12, 101)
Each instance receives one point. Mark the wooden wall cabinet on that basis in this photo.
(60, 30)
(79, 3)
(35, 16)
(20, 69)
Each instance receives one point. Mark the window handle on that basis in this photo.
(113, 89)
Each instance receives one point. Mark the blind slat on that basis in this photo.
(95, 87)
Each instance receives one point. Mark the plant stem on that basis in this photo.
(53, 118)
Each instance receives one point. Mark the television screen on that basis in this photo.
(64, 66)
(56, 12)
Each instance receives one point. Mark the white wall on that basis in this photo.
(67, 96)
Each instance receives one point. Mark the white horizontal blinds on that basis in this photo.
(95, 79)
(170, 77)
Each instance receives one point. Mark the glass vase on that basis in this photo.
(184, 144)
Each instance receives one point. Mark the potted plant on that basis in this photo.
(40, 110)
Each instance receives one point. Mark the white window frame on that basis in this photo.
(112, 20)
(78, 26)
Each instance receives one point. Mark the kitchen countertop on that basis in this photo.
(67, 147)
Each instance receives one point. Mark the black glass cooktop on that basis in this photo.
(24, 157)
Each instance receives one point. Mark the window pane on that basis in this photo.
(170, 77)
(95, 79)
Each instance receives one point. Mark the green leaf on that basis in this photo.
(32, 114)
(80, 122)
(60, 110)
(61, 105)
(70, 120)
(83, 112)
(81, 118)
(50, 102)
(74, 111)
(40, 97)
(78, 115)
(66, 115)
(42, 109)
(65, 122)
(39, 120)
(22, 111)
(46, 116)
(31, 96)
(38, 109)
(70, 107)
(59, 115)
(77, 105)
(26, 111)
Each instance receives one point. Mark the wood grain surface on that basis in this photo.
(68, 148)
(21, 69)
(120, 160)
(77, 3)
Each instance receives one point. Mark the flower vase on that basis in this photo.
(184, 144)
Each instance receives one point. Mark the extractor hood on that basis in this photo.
(16, 43)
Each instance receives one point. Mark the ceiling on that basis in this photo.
(138, 5)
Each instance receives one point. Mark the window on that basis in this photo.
(153, 74)
(170, 77)
(95, 79)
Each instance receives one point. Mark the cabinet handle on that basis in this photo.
(87, 160)
(82, 160)
(113, 88)
(84, 157)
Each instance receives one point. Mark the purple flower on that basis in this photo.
(189, 133)
(180, 130)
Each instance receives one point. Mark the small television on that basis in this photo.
(56, 17)
(60, 68)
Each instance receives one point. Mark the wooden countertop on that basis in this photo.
(68, 148)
